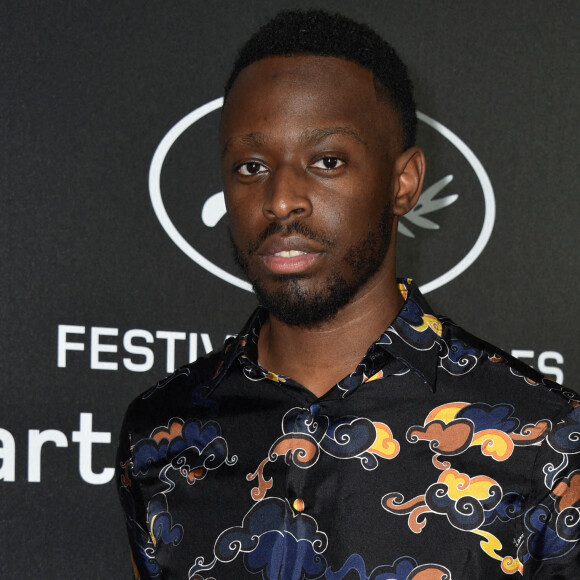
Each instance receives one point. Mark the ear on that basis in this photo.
(409, 171)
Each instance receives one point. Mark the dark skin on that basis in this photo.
(309, 138)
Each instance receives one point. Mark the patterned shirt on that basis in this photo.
(439, 457)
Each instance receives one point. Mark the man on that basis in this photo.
(308, 447)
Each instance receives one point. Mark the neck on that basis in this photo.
(320, 356)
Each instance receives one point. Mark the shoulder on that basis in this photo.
(496, 374)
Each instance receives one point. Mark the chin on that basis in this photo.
(294, 304)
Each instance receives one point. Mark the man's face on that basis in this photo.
(308, 147)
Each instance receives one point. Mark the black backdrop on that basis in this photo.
(89, 91)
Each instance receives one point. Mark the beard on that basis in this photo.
(296, 305)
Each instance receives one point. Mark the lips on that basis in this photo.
(289, 255)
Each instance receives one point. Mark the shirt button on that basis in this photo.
(298, 505)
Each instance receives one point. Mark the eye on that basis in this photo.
(251, 168)
(328, 163)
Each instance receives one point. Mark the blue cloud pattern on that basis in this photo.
(269, 532)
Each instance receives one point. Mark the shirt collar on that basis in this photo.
(413, 338)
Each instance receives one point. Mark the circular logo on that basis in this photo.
(438, 240)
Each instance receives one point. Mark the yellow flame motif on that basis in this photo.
(432, 322)
(445, 413)
(376, 376)
(274, 377)
(494, 443)
(460, 484)
(403, 289)
(385, 444)
(491, 545)
(151, 534)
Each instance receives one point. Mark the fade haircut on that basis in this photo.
(316, 32)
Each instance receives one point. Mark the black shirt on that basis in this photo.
(439, 457)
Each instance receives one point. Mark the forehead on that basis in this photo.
(308, 91)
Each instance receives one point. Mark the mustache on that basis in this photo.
(295, 227)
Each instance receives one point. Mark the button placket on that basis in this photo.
(295, 474)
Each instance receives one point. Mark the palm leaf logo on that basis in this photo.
(428, 204)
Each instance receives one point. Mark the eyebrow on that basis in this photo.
(250, 140)
(309, 136)
(321, 133)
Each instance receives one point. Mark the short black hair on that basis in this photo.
(320, 33)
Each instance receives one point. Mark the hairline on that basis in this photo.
(382, 92)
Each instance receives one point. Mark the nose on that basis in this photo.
(287, 195)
